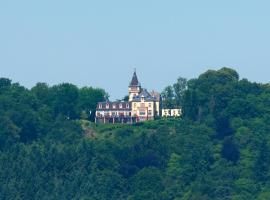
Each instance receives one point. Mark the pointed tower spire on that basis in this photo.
(134, 86)
(134, 81)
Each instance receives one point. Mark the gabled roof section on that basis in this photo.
(134, 81)
(146, 95)
(156, 95)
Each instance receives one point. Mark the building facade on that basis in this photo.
(171, 112)
(141, 106)
(114, 112)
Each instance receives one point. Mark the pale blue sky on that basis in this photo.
(98, 43)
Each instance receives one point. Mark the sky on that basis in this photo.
(99, 43)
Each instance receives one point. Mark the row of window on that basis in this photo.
(171, 112)
(107, 106)
(141, 113)
(142, 104)
(114, 106)
(101, 114)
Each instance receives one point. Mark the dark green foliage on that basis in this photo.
(4, 83)
(218, 150)
(262, 164)
(230, 150)
(223, 126)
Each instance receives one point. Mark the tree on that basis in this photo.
(168, 98)
(179, 88)
(172, 96)
(210, 93)
(264, 195)
(147, 180)
(230, 150)
(88, 99)
(42, 92)
(223, 126)
(65, 97)
(4, 82)
(126, 98)
(262, 164)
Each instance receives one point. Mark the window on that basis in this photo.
(114, 106)
(127, 105)
(120, 105)
(149, 104)
(142, 113)
(107, 106)
(121, 114)
(100, 106)
(150, 112)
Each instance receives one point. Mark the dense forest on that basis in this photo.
(219, 149)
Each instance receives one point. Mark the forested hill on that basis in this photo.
(219, 149)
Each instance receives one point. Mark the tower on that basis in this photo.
(134, 88)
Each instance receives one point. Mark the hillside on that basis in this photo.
(219, 149)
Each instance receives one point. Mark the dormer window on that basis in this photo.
(127, 105)
(100, 106)
(142, 98)
(120, 105)
(114, 106)
(107, 106)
